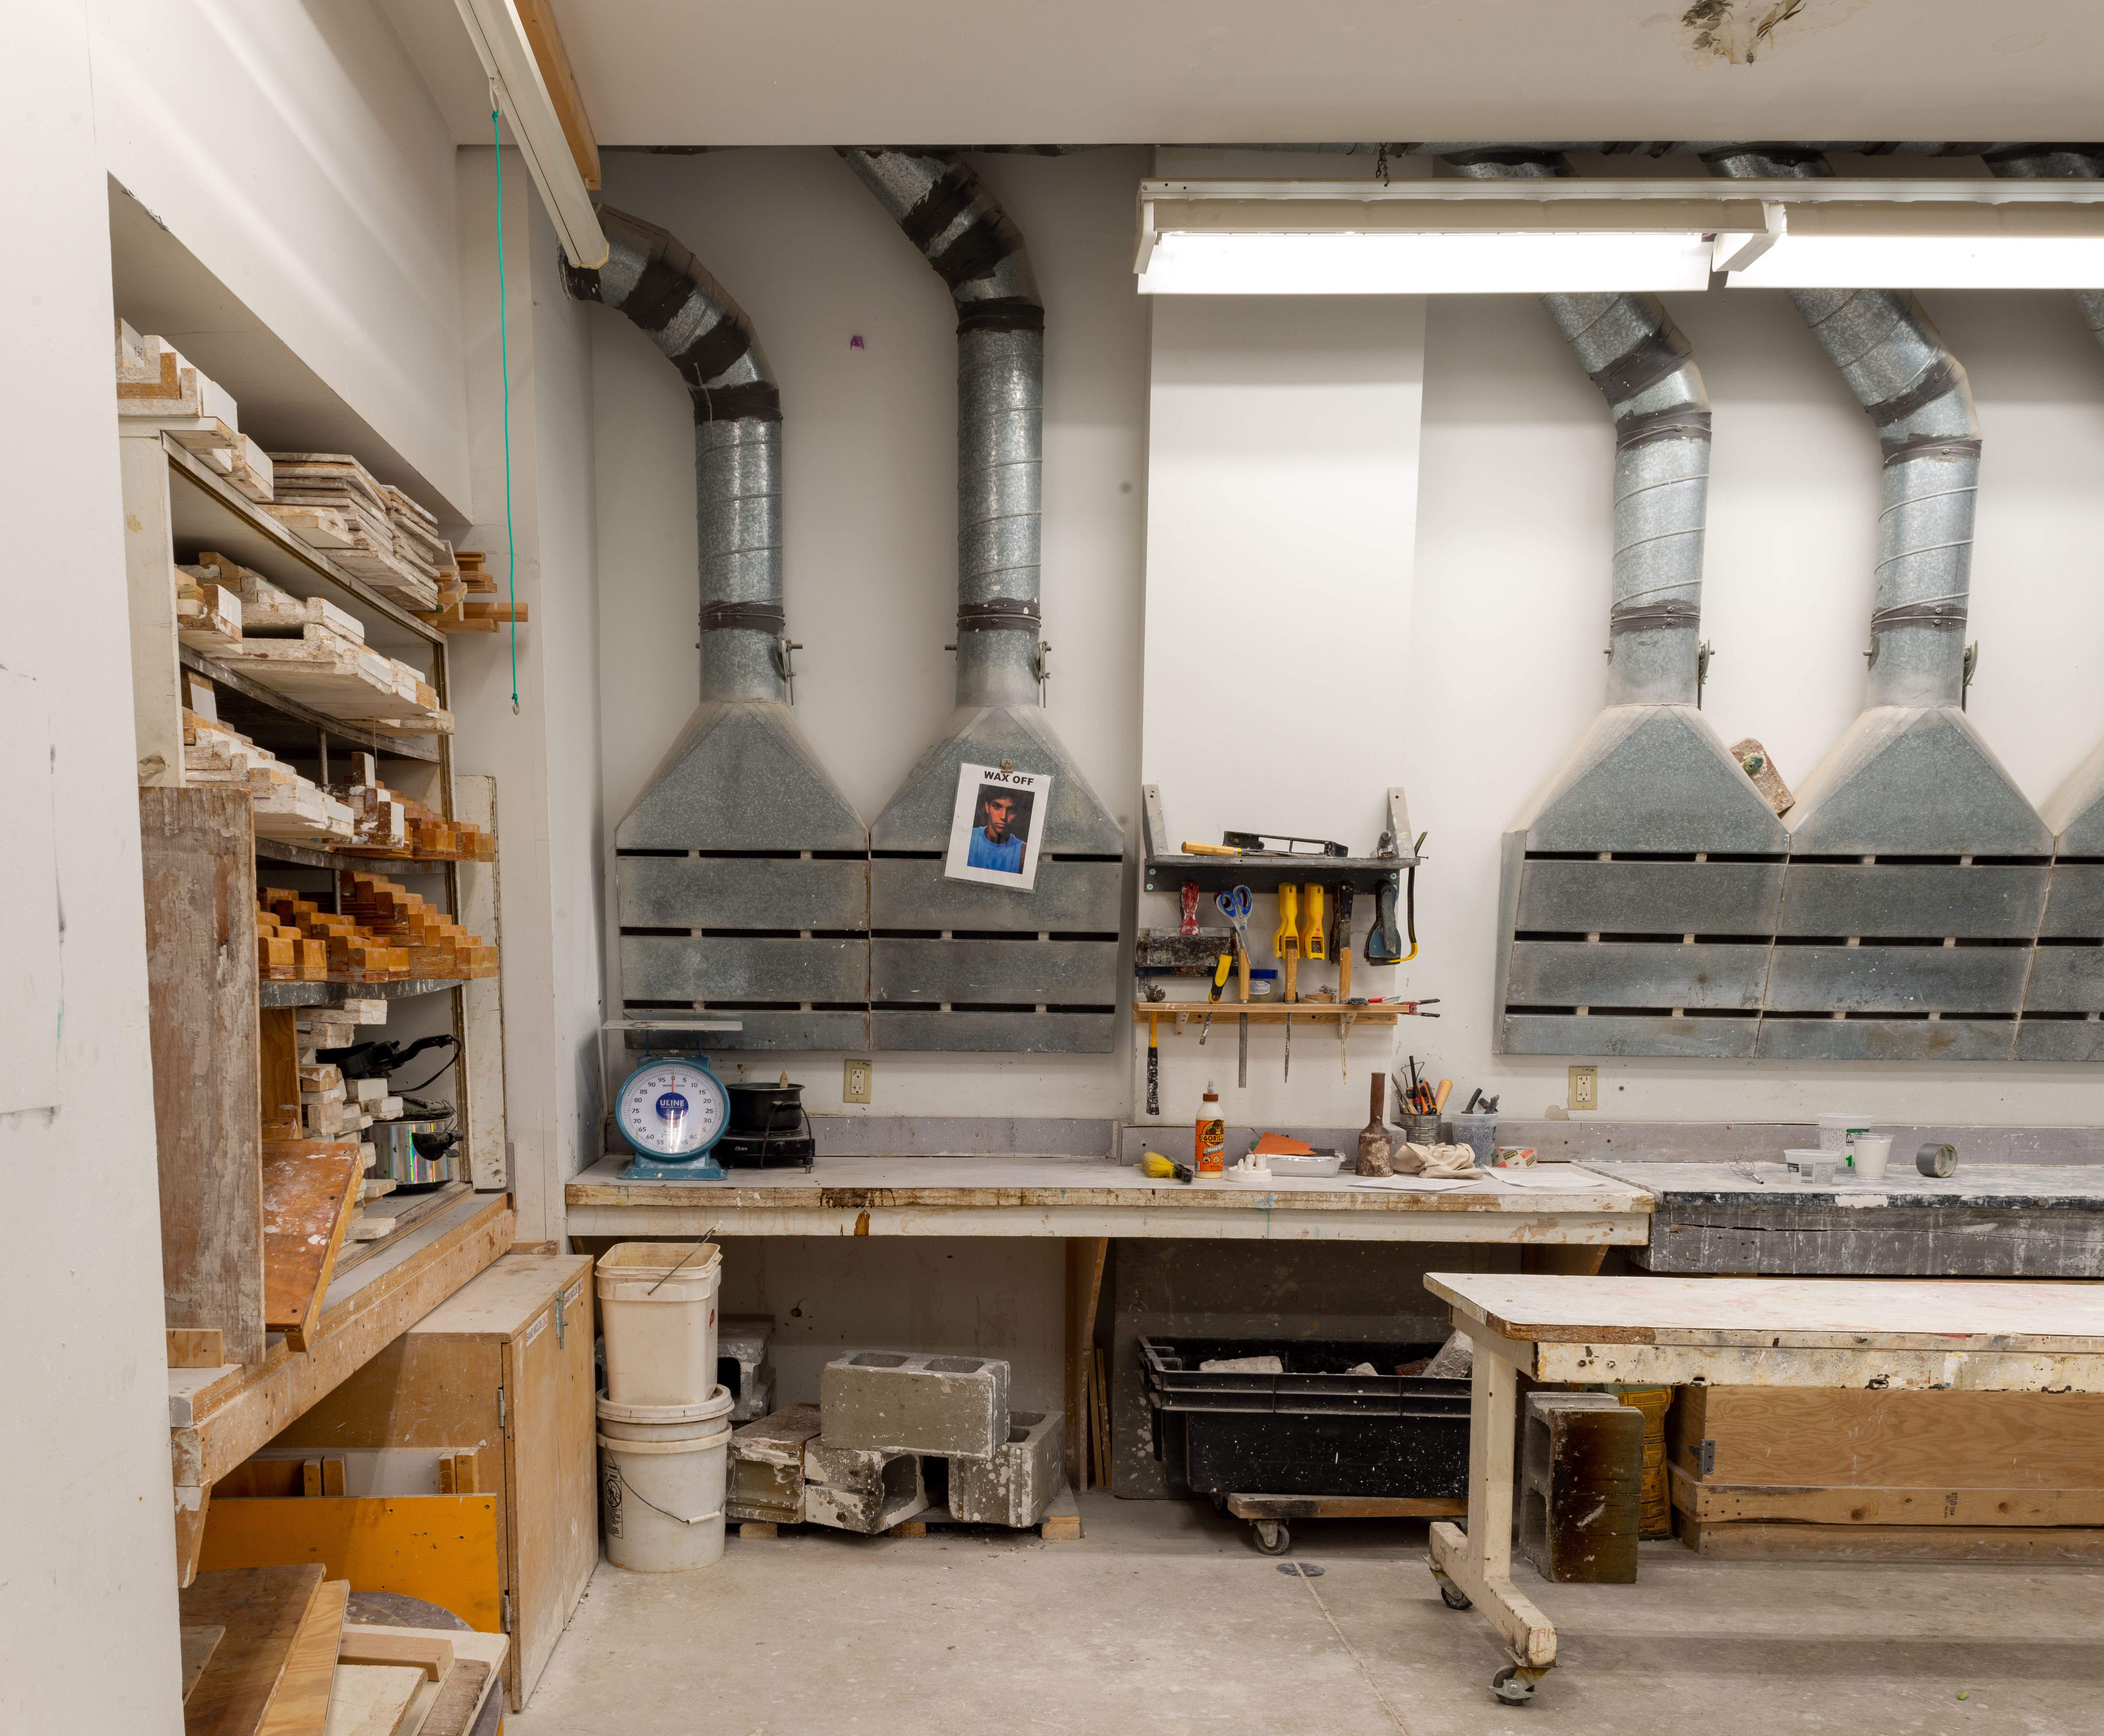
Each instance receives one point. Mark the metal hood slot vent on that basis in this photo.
(741, 858)
(1028, 991)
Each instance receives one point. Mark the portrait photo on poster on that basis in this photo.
(995, 829)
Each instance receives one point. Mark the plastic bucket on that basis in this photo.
(662, 1502)
(660, 1321)
(664, 1422)
(1838, 1130)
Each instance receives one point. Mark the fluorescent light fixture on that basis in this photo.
(1424, 263)
(516, 86)
(1832, 247)
(1576, 236)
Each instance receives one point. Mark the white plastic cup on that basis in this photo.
(1838, 1130)
(1871, 1151)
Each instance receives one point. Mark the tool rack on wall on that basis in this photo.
(223, 1042)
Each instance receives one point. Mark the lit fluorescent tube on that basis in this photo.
(1191, 262)
(1803, 262)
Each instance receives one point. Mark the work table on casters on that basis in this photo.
(1069, 1196)
(1925, 1335)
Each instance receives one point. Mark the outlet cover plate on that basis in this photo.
(855, 1081)
(1585, 1088)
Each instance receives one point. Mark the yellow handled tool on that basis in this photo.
(1286, 939)
(1221, 967)
(1312, 943)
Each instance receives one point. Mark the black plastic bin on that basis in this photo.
(1314, 1430)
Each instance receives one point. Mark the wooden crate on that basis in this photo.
(1830, 1474)
(507, 1362)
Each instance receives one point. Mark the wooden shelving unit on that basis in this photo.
(203, 864)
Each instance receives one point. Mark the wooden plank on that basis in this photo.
(1712, 1503)
(262, 1610)
(480, 1068)
(1896, 1542)
(407, 1216)
(199, 1644)
(310, 1191)
(441, 1548)
(218, 1427)
(460, 1700)
(278, 1072)
(156, 718)
(300, 1708)
(370, 1701)
(431, 1652)
(196, 1347)
(538, 20)
(198, 856)
(1942, 1315)
(1346, 1506)
(1814, 1438)
(192, 1507)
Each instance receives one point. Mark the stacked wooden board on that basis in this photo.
(354, 955)
(287, 806)
(437, 946)
(267, 1651)
(1825, 1474)
(331, 501)
(310, 650)
(464, 606)
(388, 823)
(157, 389)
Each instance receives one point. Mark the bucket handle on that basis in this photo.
(699, 1519)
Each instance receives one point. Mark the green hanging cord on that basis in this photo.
(504, 351)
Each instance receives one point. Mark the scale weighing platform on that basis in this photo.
(672, 1112)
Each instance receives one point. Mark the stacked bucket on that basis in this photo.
(664, 1422)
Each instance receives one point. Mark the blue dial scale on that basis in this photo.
(672, 1112)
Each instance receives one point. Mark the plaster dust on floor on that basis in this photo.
(1165, 1619)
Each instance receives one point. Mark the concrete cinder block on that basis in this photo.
(949, 1406)
(766, 1471)
(1017, 1485)
(742, 1341)
(1580, 1488)
(861, 1488)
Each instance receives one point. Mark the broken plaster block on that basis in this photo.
(1017, 1485)
(861, 1488)
(741, 1350)
(767, 1466)
(950, 1407)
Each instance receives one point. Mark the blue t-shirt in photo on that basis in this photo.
(1004, 858)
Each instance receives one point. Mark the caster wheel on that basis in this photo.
(1511, 1687)
(1452, 1595)
(1272, 1537)
(1220, 1503)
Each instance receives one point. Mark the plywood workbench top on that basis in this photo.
(1978, 1186)
(1092, 1196)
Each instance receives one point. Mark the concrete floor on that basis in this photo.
(1163, 1619)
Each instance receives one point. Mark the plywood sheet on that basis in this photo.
(371, 1699)
(261, 1609)
(300, 1708)
(199, 1644)
(441, 1548)
(1933, 1314)
(198, 855)
(2059, 1543)
(309, 1190)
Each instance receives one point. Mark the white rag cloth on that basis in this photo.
(1436, 1160)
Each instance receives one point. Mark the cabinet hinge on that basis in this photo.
(500, 1406)
(1705, 1457)
(558, 1320)
(505, 1599)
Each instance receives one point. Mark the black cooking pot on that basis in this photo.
(762, 1109)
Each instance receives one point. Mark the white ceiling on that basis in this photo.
(672, 72)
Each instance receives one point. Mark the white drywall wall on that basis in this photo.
(297, 154)
(1281, 508)
(546, 758)
(88, 1620)
(870, 494)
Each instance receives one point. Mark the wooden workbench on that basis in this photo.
(1092, 1197)
(1988, 1220)
(1928, 1335)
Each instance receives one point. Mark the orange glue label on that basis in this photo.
(1212, 1145)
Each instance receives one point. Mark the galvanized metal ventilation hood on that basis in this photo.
(741, 872)
(956, 966)
(1615, 847)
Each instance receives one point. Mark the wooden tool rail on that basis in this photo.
(1225, 1011)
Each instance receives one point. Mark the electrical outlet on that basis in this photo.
(855, 1081)
(1585, 1087)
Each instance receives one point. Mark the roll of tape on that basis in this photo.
(1939, 1161)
